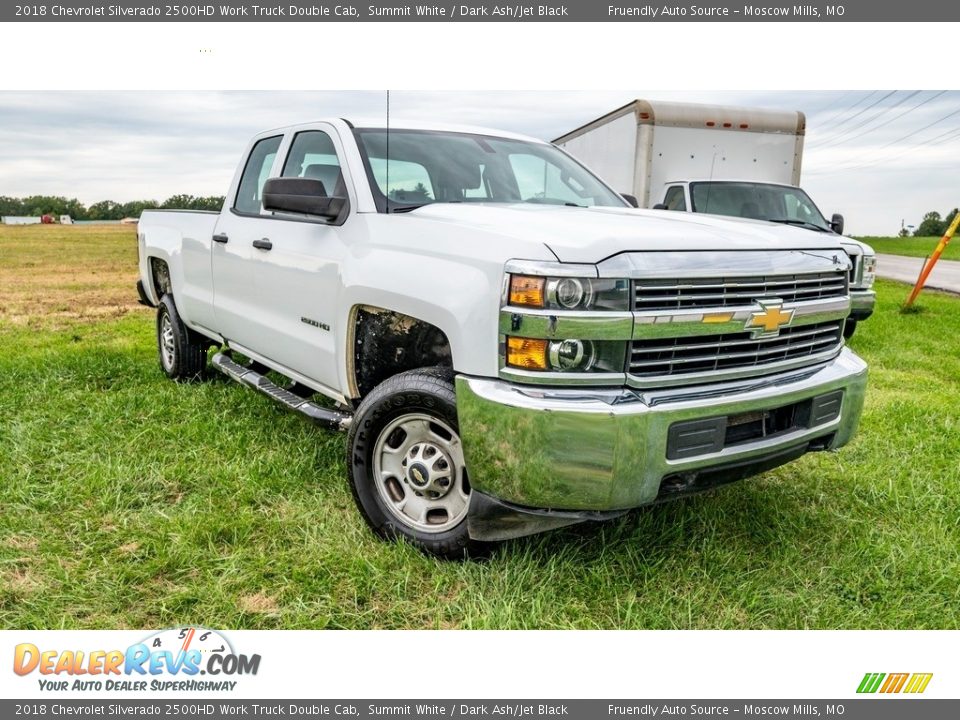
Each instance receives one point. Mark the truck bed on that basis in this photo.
(163, 234)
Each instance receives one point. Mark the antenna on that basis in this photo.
(713, 162)
(387, 188)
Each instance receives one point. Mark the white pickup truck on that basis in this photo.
(510, 345)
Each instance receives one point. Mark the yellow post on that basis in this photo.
(928, 265)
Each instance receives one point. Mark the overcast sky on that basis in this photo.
(870, 155)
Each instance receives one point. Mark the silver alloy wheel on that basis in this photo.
(167, 346)
(419, 473)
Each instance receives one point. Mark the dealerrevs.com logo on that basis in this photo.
(172, 659)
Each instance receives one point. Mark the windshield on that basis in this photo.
(449, 167)
(777, 203)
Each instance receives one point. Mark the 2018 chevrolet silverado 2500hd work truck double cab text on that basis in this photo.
(510, 345)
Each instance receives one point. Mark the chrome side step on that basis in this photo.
(333, 419)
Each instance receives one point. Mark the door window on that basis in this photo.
(313, 155)
(255, 174)
(674, 199)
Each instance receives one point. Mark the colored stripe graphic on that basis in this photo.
(894, 683)
(870, 682)
(918, 682)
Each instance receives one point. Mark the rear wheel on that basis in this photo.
(406, 464)
(183, 353)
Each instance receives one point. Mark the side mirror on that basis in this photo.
(632, 199)
(836, 223)
(660, 206)
(301, 196)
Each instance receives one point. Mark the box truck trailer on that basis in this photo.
(644, 146)
(719, 160)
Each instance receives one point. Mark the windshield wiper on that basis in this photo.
(800, 223)
(395, 208)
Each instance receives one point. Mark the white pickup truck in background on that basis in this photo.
(719, 160)
(511, 346)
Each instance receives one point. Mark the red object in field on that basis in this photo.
(47, 219)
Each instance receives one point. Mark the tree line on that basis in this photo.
(36, 205)
(933, 225)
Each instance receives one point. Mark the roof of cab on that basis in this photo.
(407, 124)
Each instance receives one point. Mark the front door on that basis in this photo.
(297, 271)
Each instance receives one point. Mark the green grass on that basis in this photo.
(130, 501)
(912, 247)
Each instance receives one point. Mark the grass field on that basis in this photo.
(130, 501)
(912, 247)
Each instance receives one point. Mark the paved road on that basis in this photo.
(945, 275)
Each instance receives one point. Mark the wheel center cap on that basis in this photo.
(418, 474)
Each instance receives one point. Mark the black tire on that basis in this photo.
(849, 328)
(424, 392)
(185, 356)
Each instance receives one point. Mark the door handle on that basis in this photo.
(264, 244)
(220, 238)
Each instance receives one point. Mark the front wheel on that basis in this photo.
(406, 464)
(849, 328)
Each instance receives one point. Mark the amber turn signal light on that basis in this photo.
(527, 353)
(527, 291)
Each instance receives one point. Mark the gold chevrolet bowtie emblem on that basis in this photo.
(769, 319)
(418, 476)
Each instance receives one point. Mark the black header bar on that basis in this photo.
(479, 11)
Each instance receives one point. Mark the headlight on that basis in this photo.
(569, 355)
(569, 293)
(869, 271)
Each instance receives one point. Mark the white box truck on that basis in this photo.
(646, 146)
(719, 160)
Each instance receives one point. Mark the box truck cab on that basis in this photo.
(719, 160)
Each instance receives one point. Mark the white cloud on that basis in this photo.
(131, 145)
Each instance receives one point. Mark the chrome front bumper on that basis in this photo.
(861, 303)
(566, 449)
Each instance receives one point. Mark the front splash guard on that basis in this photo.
(490, 519)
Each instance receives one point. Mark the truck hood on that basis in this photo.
(591, 235)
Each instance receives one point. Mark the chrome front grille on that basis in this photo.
(672, 357)
(692, 293)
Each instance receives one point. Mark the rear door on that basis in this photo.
(237, 308)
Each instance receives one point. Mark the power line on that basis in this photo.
(947, 136)
(864, 109)
(866, 121)
(920, 130)
(826, 123)
(892, 119)
(833, 104)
